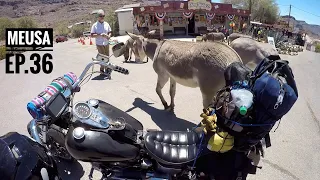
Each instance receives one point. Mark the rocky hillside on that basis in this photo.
(311, 29)
(50, 12)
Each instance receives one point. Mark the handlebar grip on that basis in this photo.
(115, 67)
(121, 70)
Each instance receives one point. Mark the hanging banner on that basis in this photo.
(230, 16)
(160, 16)
(210, 16)
(187, 14)
(199, 4)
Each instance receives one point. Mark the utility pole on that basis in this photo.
(289, 16)
(250, 8)
(262, 15)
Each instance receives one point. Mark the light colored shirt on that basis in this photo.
(100, 28)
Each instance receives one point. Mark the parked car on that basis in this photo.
(61, 39)
(86, 33)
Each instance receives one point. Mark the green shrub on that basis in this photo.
(77, 31)
(62, 30)
(317, 48)
(112, 19)
(5, 23)
(2, 52)
(26, 22)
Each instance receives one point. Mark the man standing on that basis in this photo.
(101, 30)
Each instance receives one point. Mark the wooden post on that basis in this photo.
(161, 29)
(187, 26)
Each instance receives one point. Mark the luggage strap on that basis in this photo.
(267, 140)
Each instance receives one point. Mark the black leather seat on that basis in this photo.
(171, 147)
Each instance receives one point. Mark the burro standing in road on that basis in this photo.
(101, 30)
(191, 64)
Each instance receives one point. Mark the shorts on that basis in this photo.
(103, 49)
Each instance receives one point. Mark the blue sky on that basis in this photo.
(298, 8)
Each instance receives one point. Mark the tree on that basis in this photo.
(5, 23)
(265, 11)
(112, 19)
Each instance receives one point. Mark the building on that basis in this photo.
(125, 18)
(182, 17)
(286, 22)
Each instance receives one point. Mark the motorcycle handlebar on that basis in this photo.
(32, 126)
(33, 130)
(106, 64)
(117, 68)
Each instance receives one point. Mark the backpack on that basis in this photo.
(274, 93)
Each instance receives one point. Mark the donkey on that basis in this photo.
(129, 46)
(128, 50)
(214, 36)
(191, 64)
(234, 36)
(251, 51)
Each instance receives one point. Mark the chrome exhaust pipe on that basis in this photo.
(33, 131)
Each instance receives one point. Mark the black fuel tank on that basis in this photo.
(99, 146)
(113, 113)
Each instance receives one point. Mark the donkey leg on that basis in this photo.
(207, 99)
(172, 92)
(208, 91)
(130, 54)
(162, 80)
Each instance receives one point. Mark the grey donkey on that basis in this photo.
(129, 46)
(214, 36)
(234, 36)
(251, 51)
(191, 64)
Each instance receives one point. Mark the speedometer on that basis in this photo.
(82, 110)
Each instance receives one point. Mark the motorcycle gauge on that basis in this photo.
(93, 102)
(82, 110)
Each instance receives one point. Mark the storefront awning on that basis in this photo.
(187, 6)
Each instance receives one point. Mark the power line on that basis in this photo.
(282, 5)
(305, 11)
(299, 9)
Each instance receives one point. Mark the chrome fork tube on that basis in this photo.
(33, 131)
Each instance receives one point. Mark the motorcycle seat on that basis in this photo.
(172, 147)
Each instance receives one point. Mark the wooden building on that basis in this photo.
(187, 17)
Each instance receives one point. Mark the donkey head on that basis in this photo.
(142, 44)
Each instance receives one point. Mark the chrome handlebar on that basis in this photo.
(33, 131)
(32, 125)
(99, 60)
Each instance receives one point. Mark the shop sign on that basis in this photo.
(271, 41)
(150, 3)
(199, 4)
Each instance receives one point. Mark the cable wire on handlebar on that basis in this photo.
(88, 76)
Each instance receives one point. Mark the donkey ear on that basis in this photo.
(133, 36)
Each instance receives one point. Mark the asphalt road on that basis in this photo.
(295, 145)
